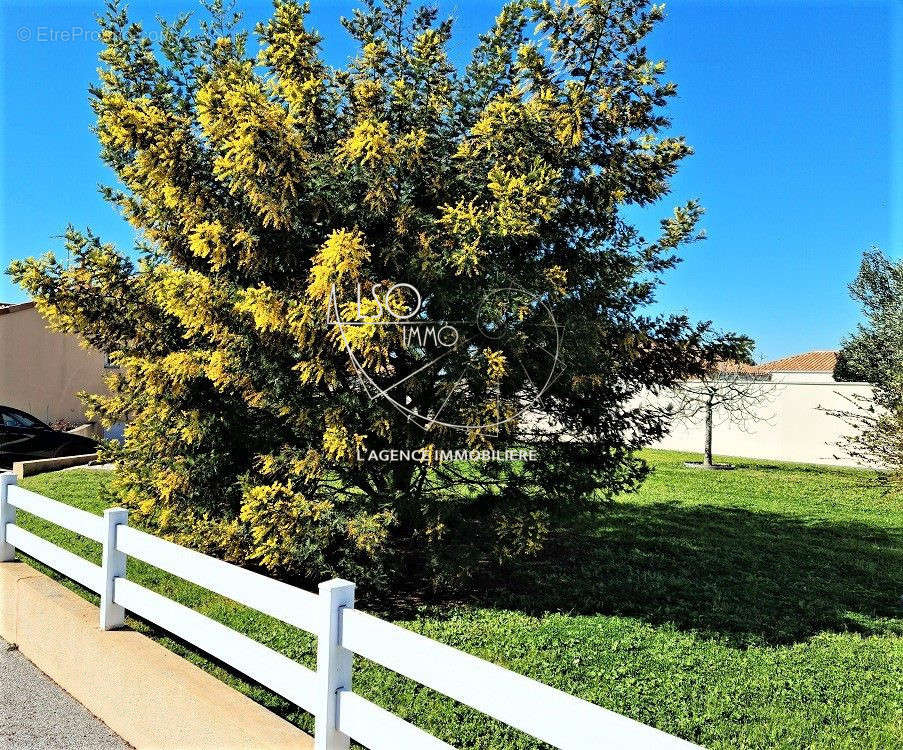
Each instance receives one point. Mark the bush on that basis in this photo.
(63, 425)
(268, 189)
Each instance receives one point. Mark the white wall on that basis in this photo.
(792, 427)
(802, 377)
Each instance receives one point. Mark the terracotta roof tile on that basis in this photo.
(10, 307)
(731, 366)
(817, 361)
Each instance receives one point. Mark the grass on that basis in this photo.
(754, 608)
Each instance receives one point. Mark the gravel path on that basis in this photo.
(37, 714)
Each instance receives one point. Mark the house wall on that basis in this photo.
(792, 426)
(802, 377)
(41, 371)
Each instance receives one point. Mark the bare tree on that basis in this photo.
(729, 392)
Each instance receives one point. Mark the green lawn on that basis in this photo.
(754, 608)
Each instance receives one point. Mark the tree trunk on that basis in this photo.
(707, 459)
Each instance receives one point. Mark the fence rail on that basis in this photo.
(77, 568)
(280, 600)
(340, 714)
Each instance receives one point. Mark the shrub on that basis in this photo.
(272, 190)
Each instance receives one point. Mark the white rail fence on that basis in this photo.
(548, 714)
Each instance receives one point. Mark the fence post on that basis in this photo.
(7, 515)
(113, 566)
(333, 664)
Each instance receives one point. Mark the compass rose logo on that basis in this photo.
(508, 319)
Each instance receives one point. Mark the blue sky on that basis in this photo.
(788, 105)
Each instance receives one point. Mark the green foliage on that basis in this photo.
(874, 354)
(756, 608)
(260, 183)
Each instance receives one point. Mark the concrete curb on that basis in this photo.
(149, 696)
(24, 469)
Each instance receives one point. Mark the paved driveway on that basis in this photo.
(37, 714)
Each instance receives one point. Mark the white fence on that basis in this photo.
(548, 714)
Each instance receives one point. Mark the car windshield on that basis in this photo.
(19, 419)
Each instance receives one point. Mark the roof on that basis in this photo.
(817, 361)
(9, 307)
(732, 366)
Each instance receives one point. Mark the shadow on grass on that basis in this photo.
(749, 578)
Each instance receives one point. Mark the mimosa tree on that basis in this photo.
(265, 375)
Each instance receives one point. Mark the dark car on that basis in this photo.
(26, 438)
